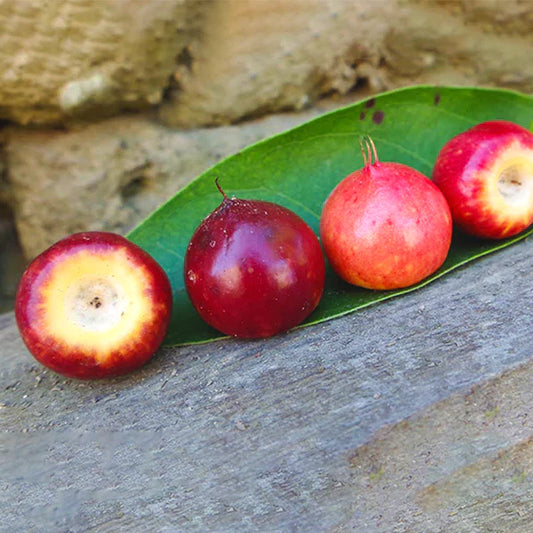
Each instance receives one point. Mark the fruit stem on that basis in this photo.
(368, 149)
(221, 190)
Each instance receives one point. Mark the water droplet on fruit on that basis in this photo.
(213, 244)
(192, 276)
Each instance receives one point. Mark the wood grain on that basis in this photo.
(411, 415)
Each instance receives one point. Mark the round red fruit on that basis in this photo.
(253, 268)
(93, 305)
(486, 174)
(385, 226)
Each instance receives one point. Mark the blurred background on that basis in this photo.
(109, 107)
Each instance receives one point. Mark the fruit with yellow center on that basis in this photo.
(93, 305)
(486, 174)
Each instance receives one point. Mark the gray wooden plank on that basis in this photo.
(265, 435)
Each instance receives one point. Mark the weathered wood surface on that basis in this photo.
(412, 415)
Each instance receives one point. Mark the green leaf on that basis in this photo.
(299, 168)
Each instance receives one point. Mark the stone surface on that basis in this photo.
(84, 58)
(218, 61)
(512, 17)
(258, 57)
(408, 416)
(265, 56)
(479, 43)
(11, 259)
(11, 262)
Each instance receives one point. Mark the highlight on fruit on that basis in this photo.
(385, 226)
(253, 268)
(93, 305)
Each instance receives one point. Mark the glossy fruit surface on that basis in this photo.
(486, 174)
(93, 305)
(254, 269)
(385, 226)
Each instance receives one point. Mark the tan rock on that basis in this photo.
(507, 16)
(206, 62)
(110, 175)
(462, 50)
(257, 57)
(60, 59)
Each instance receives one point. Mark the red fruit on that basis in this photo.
(486, 174)
(93, 305)
(253, 268)
(385, 226)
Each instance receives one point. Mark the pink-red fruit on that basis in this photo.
(253, 268)
(486, 174)
(93, 305)
(385, 226)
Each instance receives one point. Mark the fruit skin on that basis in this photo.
(93, 305)
(254, 269)
(486, 174)
(385, 226)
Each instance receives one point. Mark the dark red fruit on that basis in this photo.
(254, 268)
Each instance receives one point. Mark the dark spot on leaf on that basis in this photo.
(377, 117)
(362, 116)
(436, 99)
(370, 103)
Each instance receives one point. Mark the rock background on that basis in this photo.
(108, 107)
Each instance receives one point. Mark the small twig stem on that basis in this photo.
(368, 149)
(221, 190)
